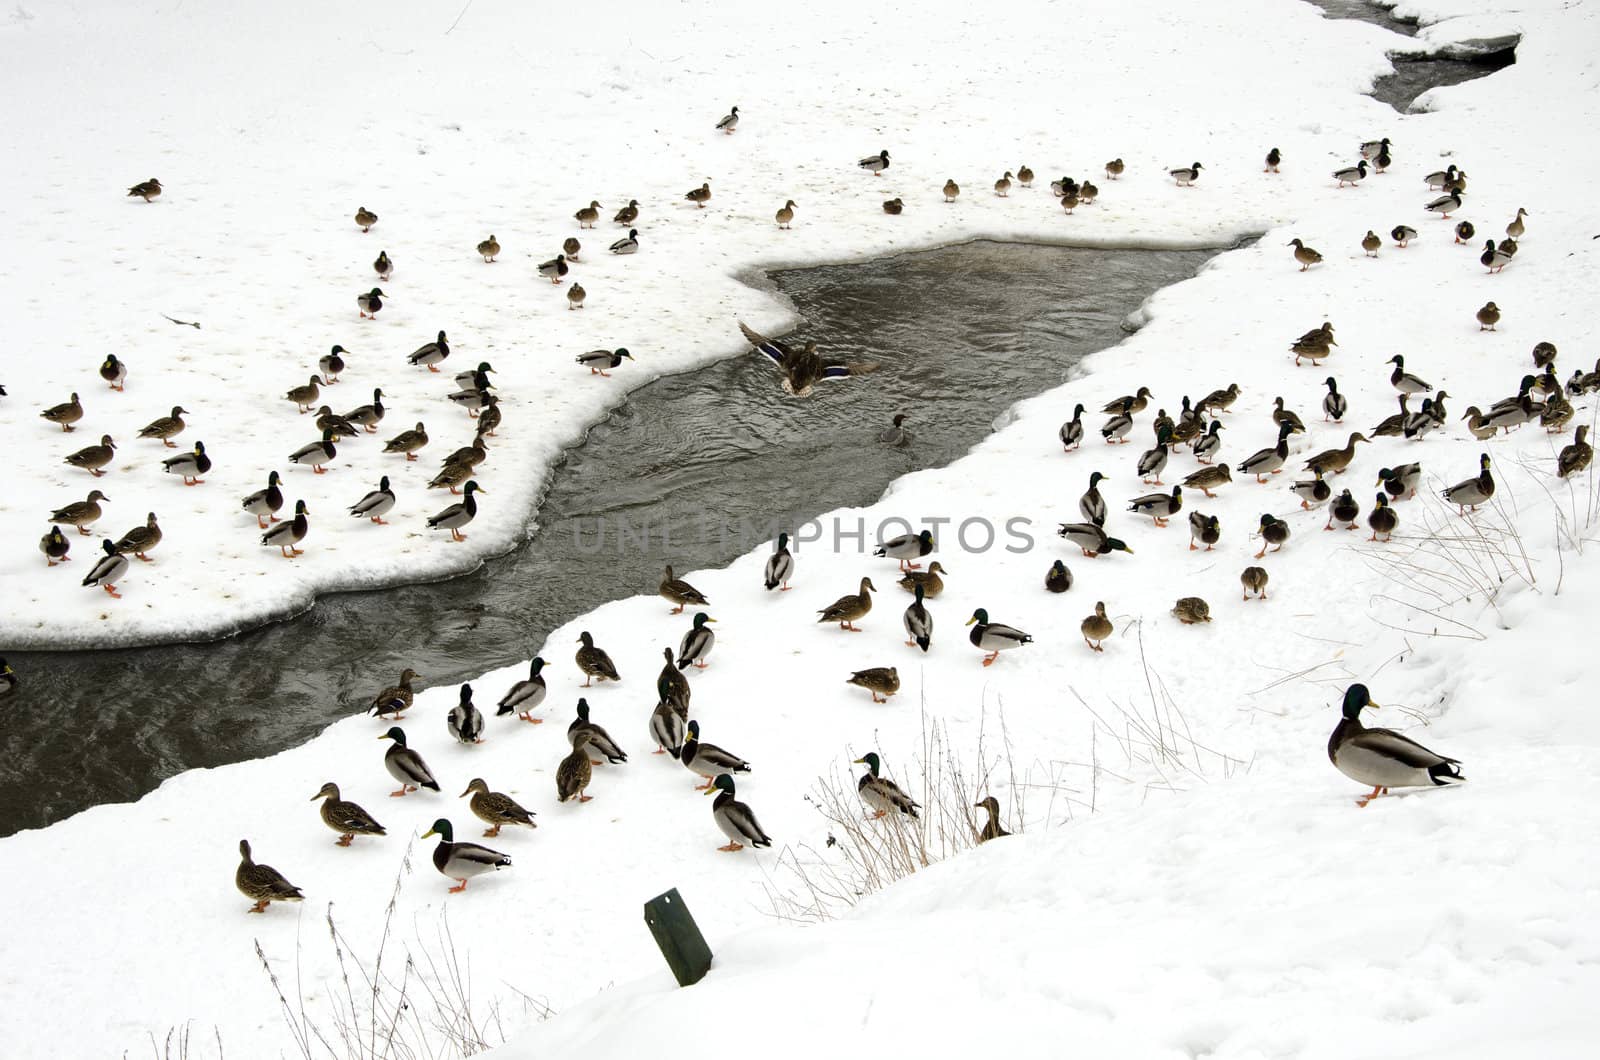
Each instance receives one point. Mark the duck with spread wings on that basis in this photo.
(803, 368)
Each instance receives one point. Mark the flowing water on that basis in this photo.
(1414, 76)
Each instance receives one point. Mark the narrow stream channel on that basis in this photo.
(1415, 75)
(961, 332)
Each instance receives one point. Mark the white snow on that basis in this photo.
(1237, 906)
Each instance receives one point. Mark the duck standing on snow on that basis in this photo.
(802, 369)
(366, 218)
(893, 207)
(736, 820)
(1274, 532)
(707, 759)
(1493, 258)
(593, 661)
(408, 442)
(667, 729)
(81, 513)
(405, 765)
(1269, 461)
(1254, 580)
(383, 266)
(1158, 506)
(1305, 255)
(1445, 205)
(93, 458)
(907, 547)
(1206, 529)
(1402, 235)
(575, 772)
(952, 191)
(526, 695)
(462, 861)
(919, 622)
(697, 643)
(554, 269)
(875, 164)
(1516, 228)
(730, 122)
(331, 364)
(376, 503)
(575, 296)
(1092, 505)
(495, 809)
(1474, 491)
(141, 539)
(1097, 628)
(1373, 148)
(780, 566)
(1191, 610)
(1205, 480)
(1274, 157)
(1208, 445)
(1058, 579)
(264, 503)
(881, 681)
(1383, 519)
(285, 536)
(262, 884)
(190, 465)
(166, 427)
(1575, 457)
(1344, 509)
(1371, 243)
(370, 303)
(346, 818)
(930, 581)
(628, 244)
(1151, 461)
(1071, 433)
(597, 361)
(396, 699)
(1382, 757)
(1401, 480)
(109, 570)
(882, 795)
(55, 546)
(430, 354)
(1185, 176)
(465, 721)
(785, 215)
(1465, 231)
(114, 372)
(1092, 539)
(317, 454)
(672, 688)
(699, 196)
(368, 416)
(994, 637)
(1336, 460)
(1351, 175)
(459, 514)
(1115, 430)
(680, 592)
(1334, 404)
(66, 414)
(849, 609)
(1116, 167)
(146, 190)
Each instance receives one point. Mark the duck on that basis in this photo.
(495, 809)
(1002, 187)
(396, 699)
(524, 697)
(430, 354)
(370, 303)
(1575, 457)
(55, 547)
(881, 681)
(462, 861)
(1473, 491)
(1422, 422)
(140, 540)
(1493, 258)
(586, 216)
(1191, 610)
(1206, 529)
(1185, 176)
(706, 759)
(1060, 188)
(680, 592)
(114, 372)
(1344, 509)
(1270, 461)
(1151, 461)
(383, 266)
(586, 733)
(994, 637)
(700, 196)
(1219, 400)
(849, 609)
(457, 515)
(1516, 228)
(1159, 506)
(594, 662)
(1401, 480)
(1115, 168)
(1395, 425)
(930, 580)
(1445, 205)
(1371, 243)
(328, 420)
(1254, 580)
(262, 884)
(1334, 404)
(1208, 478)
(1336, 460)
(81, 514)
(1508, 246)
(1305, 255)
(331, 364)
(735, 819)
(802, 369)
(1273, 531)
(628, 244)
(1096, 628)
(108, 570)
(574, 773)
(474, 397)
(672, 688)
(628, 214)
(1132, 403)
(65, 414)
(882, 795)
(1092, 539)
(264, 503)
(697, 643)
(1544, 354)
(346, 818)
(554, 269)
(366, 219)
(1351, 175)
(893, 207)
(570, 246)
(906, 548)
(1382, 519)
(1373, 148)
(368, 416)
(785, 214)
(406, 765)
(408, 442)
(190, 465)
(376, 503)
(1483, 427)
(470, 455)
(147, 190)
(952, 191)
(1465, 231)
(1312, 492)
(992, 829)
(896, 436)
(875, 164)
(597, 361)
(1115, 430)
(465, 721)
(286, 535)
(1441, 178)
(1382, 757)
(667, 729)
(451, 477)
(780, 566)
(93, 458)
(316, 454)
(1208, 445)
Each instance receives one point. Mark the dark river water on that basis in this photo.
(961, 333)
(1413, 77)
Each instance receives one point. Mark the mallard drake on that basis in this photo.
(848, 609)
(780, 566)
(1218, 400)
(368, 416)
(1115, 430)
(66, 414)
(1516, 228)
(396, 699)
(1465, 231)
(919, 620)
(1401, 480)
(994, 637)
(109, 570)
(1191, 610)
(952, 191)
(1371, 243)
(462, 861)
(1395, 425)
(1373, 148)
(92, 458)
(881, 681)
(1383, 161)
(1474, 491)
(1575, 457)
(317, 454)
(81, 514)
(55, 547)
(1096, 628)
(1206, 529)
(1336, 460)
(459, 514)
(114, 372)
(495, 809)
(1270, 461)
(1159, 506)
(1493, 259)
(667, 729)
(1312, 492)
(524, 697)
(571, 246)
(1185, 176)
(628, 214)
(1092, 505)
(697, 643)
(1092, 539)
(574, 773)
(1334, 404)
(146, 190)
(430, 354)
(8, 679)
(366, 219)
(474, 397)
(328, 420)
(593, 661)
(1254, 580)
(785, 214)
(1305, 255)
(736, 820)
(700, 196)
(369, 304)
(628, 244)
(1441, 178)
(1445, 205)
(1382, 757)
(264, 503)
(375, 504)
(882, 795)
(331, 364)
(1274, 532)
(408, 442)
(140, 540)
(285, 536)
(930, 580)
(802, 369)
(262, 884)
(1208, 478)
(875, 164)
(345, 818)
(672, 688)
(708, 759)
(1344, 509)
(405, 765)
(1002, 187)
(893, 207)
(1151, 461)
(1351, 175)
(905, 548)
(1115, 168)
(190, 465)
(465, 720)
(1058, 579)
(1060, 188)
(383, 266)
(586, 216)
(554, 269)
(1382, 519)
(1422, 422)
(597, 361)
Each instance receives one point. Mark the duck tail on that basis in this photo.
(923, 642)
(432, 785)
(1446, 772)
